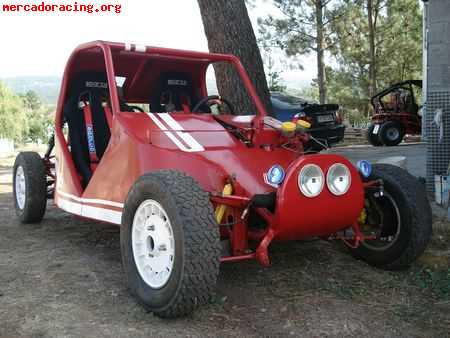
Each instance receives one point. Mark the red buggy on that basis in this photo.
(396, 114)
(192, 183)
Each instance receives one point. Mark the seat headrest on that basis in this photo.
(178, 84)
(88, 82)
(175, 81)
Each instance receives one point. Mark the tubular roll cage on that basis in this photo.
(108, 48)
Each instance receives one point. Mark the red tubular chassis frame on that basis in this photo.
(139, 145)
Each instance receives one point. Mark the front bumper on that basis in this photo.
(298, 217)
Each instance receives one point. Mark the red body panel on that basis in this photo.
(137, 147)
(296, 217)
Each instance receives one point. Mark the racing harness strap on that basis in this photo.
(93, 158)
(185, 104)
(87, 111)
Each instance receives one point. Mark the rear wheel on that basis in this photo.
(373, 138)
(400, 219)
(170, 243)
(29, 187)
(391, 134)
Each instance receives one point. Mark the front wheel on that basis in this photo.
(400, 219)
(170, 243)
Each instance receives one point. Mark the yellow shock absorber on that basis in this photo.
(220, 210)
(362, 218)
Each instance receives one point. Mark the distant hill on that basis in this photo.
(47, 87)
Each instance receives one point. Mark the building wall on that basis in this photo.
(437, 86)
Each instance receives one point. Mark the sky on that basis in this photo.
(39, 44)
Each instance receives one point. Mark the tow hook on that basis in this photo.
(374, 187)
(379, 193)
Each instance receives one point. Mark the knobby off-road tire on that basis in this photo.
(29, 187)
(415, 216)
(391, 134)
(372, 138)
(195, 235)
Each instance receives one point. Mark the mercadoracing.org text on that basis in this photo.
(47, 7)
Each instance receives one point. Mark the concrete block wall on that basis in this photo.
(437, 73)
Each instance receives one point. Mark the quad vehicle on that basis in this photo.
(326, 129)
(396, 114)
(191, 188)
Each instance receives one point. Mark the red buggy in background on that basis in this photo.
(396, 114)
(192, 183)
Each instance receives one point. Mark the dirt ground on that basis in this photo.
(63, 278)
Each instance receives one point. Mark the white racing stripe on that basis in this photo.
(185, 136)
(177, 134)
(78, 207)
(170, 121)
(140, 48)
(101, 214)
(157, 121)
(72, 207)
(129, 47)
(91, 200)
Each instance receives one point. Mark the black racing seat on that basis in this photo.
(88, 92)
(173, 87)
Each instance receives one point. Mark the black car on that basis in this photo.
(326, 124)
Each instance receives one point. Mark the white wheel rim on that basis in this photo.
(153, 244)
(20, 187)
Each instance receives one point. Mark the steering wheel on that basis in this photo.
(205, 101)
(136, 108)
(126, 107)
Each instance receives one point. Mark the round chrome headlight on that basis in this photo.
(311, 180)
(339, 179)
(275, 176)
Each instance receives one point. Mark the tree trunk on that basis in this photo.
(321, 74)
(372, 51)
(229, 30)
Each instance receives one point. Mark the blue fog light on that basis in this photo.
(365, 168)
(276, 175)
